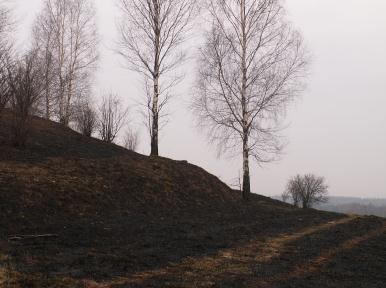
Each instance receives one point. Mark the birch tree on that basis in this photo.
(151, 34)
(67, 31)
(251, 66)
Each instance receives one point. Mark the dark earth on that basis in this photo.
(77, 212)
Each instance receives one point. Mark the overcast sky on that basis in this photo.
(337, 129)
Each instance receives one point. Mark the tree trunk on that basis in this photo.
(67, 103)
(62, 100)
(48, 115)
(156, 75)
(246, 176)
(47, 80)
(61, 108)
(47, 96)
(154, 128)
(20, 130)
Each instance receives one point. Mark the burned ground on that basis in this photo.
(120, 219)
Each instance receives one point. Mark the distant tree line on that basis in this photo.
(251, 65)
(376, 207)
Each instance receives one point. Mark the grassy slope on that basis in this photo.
(126, 220)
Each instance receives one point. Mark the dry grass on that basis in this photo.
(126, 220)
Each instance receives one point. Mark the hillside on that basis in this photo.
(76, 212)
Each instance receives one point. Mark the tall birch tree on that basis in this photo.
(251, 66)
(151, 34)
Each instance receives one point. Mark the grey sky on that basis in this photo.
(337, 129)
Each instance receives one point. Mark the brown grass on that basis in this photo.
(126, 220)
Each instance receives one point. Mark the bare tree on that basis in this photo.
(306, 190)
(112, 117)
(291, 194)
(5, 55)
(5, 92)
(151, 33)
(86, 120)
(250, 67)
(43, 37)
(26, 88)
(131, 140)
(66, 31)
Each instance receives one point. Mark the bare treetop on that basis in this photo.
(4, 19)
(152, 51)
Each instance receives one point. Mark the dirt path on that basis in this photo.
(273, 262)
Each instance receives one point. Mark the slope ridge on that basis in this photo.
(64, 175)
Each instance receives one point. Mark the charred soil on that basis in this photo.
(77, 212)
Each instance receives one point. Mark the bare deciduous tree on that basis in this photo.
(151, 33)
(5, 92)
(5, 55)
(250, 67)
(26, 86)
(66, 32)
(112, 117)
(43, 37)
(306, 190)
(131, 140)
(86, 120)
